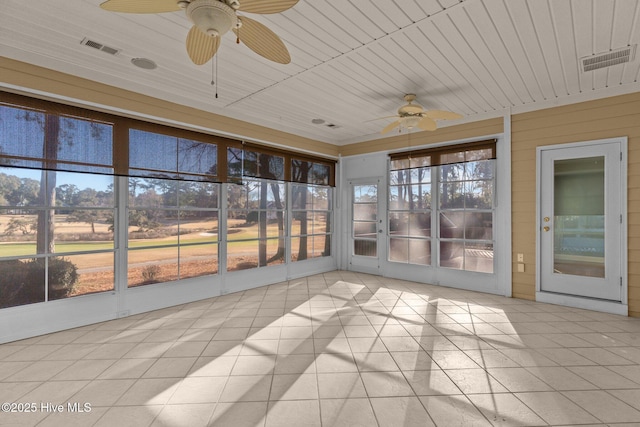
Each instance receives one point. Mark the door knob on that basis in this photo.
(545, 228)
(546, 219)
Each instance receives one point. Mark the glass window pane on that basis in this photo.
(365, 248)
(242, 255)
(198, 260)
(399, 250)
(478, 170)
(420, 251)
(18, 232)
(420, 224)
(453, 172)
(399, 224)
(149, 227)
(20, 187)
(479, 194)
(365, 193)
(364, 230)
(21, 282)
(83, 141)
(478, 257)
(195, 157)
(163, 147)
(421, 196)
(79, 230)
(93, 273)
(199, 194)
(275, 251)
(153, 193)
(478, 225)
(365, 212)
(84, 190)
(452, 225)
(452, 196)
(452, 255)
(148, 266)
(22, 132)
(198, 227)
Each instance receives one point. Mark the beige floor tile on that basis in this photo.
(413, 360)
(148, 350)
(518, 379)
(84, 369)
(40, 371)
(400, 411)
(239, 414)
(340, 385)
(330, 362)
(603, 377)
(254, 365)
(212, 366)
(347, 413)
(370, 362)
(256, 347)
(170, 367)
(602, 356)
(129, 416)
(185, 415)
(54, 391)
(490, 359)
(247, 388)
(475, 381)
(555, 408)
(185, 349)
(299, 413)
(295, 346)
(604, 406)
(33, 352)
(431, 382)
(295, 364)
(294, 387)
(386, 384)
(127, 368)
(198, 390)
(149, 391)
(103, 392)
(71, 352)
(561, 378)
(452, 359)
(454, 410)
(504, 409)
(631, 397)
(223, 348)
(74, 419)
(12, 392)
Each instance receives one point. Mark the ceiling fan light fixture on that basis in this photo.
(410, 122)
(212, 17)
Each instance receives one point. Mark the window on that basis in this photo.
(173, 221)
(448, 189)
(72, 179)
(57, 226)
(255, 224)
(311, 221)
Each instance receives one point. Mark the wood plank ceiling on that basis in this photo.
(352, 60)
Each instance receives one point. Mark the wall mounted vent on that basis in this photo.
(94, 44)
(608, 59)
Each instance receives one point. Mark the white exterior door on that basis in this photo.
(366, 246)
(581, 237)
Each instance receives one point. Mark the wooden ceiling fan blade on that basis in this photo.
(427, 124)
(262, 40)
(141, 6)
(266, 6)
(200, 46)
(442, 115)
(390, 126)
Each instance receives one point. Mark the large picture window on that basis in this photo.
(91, 202)
(450, 190)
(56, 223)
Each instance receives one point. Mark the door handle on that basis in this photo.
(546, 228)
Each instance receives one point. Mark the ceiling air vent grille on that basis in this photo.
(608, 59)
(94, 44)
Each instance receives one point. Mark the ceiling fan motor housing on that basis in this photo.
(212, 17)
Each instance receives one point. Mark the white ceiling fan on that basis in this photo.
(214, 18)
(413, 115)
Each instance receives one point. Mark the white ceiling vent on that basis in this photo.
(607, 59)
(94, 44)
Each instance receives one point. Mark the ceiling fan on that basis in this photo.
(413, 115)
(213, 18)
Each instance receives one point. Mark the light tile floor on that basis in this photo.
(337, 349)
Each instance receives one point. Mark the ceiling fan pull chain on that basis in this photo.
(214, 74)
(238, 25)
